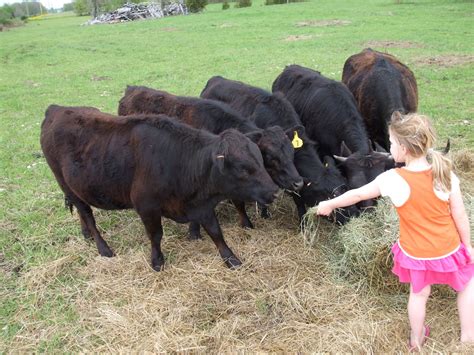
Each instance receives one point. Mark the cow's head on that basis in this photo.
(274, 109)
(326, 182)
(278, 153)
(360, 169)
(240, 171)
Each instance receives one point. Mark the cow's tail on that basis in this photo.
(68, 204)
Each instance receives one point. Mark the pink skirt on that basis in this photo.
(453, 270)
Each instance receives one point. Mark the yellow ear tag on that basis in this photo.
(297, 142)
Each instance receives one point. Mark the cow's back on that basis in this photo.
(381, 84)
(211, 115)
(101, 157)
(326, 108)
(265, 109)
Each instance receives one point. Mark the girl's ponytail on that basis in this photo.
(417, 134)
(441, 167)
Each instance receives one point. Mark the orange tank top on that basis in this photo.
(427, 229)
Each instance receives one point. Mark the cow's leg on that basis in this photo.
(89, 227)
(244, 218)
(300, 206)
(84, 228)
(263, 211)
(194, 231)
(212, 227)
(151, 219)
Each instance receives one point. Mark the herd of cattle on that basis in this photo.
(178, 157)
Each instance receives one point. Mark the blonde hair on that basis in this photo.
(416, 133)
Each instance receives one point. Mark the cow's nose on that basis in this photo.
(298, 185)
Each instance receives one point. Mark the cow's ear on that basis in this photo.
(254, 136)
(290, 132)
(345, 151)
(371, 150)
(379, 148)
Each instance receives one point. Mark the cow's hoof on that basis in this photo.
(158, 264)
(106, 251)
(247, 225)
(232, 262)
(195, 236)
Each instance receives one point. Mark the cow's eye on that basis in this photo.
(243, 172)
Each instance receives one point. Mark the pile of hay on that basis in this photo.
(359, 251)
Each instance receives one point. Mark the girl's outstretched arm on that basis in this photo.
(351, 197)
(458, 212)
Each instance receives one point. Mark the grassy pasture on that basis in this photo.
(57, 295)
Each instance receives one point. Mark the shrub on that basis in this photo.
(243, 3)
(196, 5)
(225, 5)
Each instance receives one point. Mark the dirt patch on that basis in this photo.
(32, 83)
(292, 38)
(99, 78)
(446, 61)
(322, 23)
(392, 44)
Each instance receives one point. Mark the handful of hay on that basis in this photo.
(358, 251)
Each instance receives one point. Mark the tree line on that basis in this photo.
(19, 12)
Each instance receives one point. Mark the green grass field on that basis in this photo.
(49, 276)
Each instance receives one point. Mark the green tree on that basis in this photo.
(6, 14)
(196, 5)
(81, 8)
(243, 3)
(68, 7)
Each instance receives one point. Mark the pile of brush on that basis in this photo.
(132, 12)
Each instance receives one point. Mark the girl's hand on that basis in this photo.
(325, 209)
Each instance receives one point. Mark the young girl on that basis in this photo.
(434, 246)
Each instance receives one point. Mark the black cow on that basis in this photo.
(153, 164)
(216, 117)
(329, 113)
(322, 180)
(381, 84)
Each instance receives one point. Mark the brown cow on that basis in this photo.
(381, 84)
(155, 165)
